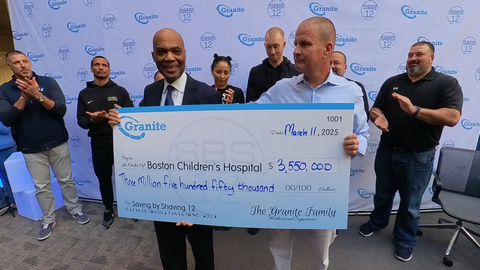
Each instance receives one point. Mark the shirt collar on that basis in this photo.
(331, 79)
(429, 77)
(179, 84)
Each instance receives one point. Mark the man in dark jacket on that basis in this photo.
(93, 104)
(273, 68)
(34, 106)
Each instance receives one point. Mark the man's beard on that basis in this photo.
(416, 70)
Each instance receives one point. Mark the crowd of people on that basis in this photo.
(411, 110)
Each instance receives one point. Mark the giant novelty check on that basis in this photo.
(240, 165)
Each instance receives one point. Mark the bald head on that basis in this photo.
(274, 45)
(275, 31)
(324, 28)
(169, 54)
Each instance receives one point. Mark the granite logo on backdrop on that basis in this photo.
(144, 19)
(186, 13)
(75, 141)
(134, 97)
(448, 143)
(35, 56)
(28, 8)
(64, 53)
(320, 10)
(227, 12)
(18, 35)
(115, 73)
(81, 182)
(387, 40)
(440, 69)
(56, 77)
(93, 51)
(435, 43)
(340, 41)
(208, 41)
(291, 38)
(477, 74)
(47, 30)
(70, 100)
(460, 170)
(369, 10)
(54, 4)
(109, 21)
(88, 3)
(74, 28)
(234, 69)
(135, 130)
(411, 13)
(149, 70)
(189, 70)
(129, 46)
(360, 70)
(466, 124)
(247, 40)
(372, 95)
(455, 15)
(366, 194)
(372, 147)
(402, 68)
(468, 45)
(82, 75)
(275, 9)
(356, 171)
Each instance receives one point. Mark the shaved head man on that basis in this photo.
(274, 68)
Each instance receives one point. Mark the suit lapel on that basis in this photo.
(189, 92)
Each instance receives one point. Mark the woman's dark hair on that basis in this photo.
(217, 59)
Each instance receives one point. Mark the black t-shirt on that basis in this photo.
(434, 91)
(238, 96)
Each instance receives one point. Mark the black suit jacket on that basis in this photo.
(195, 92)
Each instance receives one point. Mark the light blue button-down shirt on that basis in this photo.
(334, 90)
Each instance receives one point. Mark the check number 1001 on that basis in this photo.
(306, 165)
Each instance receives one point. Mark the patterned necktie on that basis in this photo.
(168, 98)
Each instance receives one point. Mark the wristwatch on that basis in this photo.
(41, 99)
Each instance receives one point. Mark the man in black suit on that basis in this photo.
(177, 88)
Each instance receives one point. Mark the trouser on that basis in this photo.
(38, 165)
(318, 244)
(172, 245)
(6, 190)
(409, 174)
(102, 156)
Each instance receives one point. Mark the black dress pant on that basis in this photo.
(173, 248)
(102, 157)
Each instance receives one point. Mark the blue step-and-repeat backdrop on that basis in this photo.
(61, 36)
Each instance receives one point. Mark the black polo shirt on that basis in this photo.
(434, 91)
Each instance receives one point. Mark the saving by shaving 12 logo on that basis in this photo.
(247, 40)
(18, 35)
(291, 39)
(82, 75)
(35, 56)
(360, 70)
(75, 141)
(93, 51)
(88, 3)
(411, 13)
(227, 12)
(129, 46)
(144, 19)
(275, 9)
(468, 125)
(208, 41)
(234, 69)
(55, 5)
(320, 10)
(28, 8)
(369, 10)
(455, 15)
(135, 130)
(402, 68)
(468, 45)
(149, 70)
(47, 30)
(340, 41)
(64, 53)
(186, 13)
(109, 21)
(477, 75)
(387, 40)
(74, 28)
